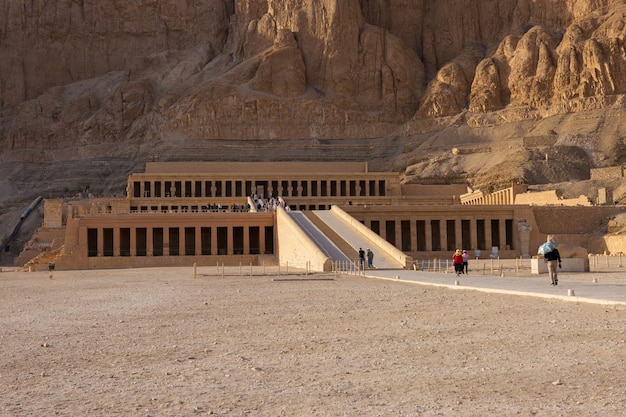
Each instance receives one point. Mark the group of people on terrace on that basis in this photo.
(223, 208)
(270, 205)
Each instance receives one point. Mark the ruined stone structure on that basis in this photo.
(607, 172)
(506, 196)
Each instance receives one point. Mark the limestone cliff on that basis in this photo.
(395, 82)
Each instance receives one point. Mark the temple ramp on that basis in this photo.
(323, 242)
(386, 256)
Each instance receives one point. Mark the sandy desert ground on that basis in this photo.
(157, 342)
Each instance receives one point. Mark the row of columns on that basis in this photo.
(215, 245)
(501, 197)
(443, 233)
(303, 188)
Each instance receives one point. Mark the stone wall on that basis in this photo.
(532, 141)
(543, 198)
(607, 173)
(254, 167)
(53, 213)
(574, 220)
(611, 245)
(433, 190)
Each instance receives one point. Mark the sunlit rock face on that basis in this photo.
(121, 79)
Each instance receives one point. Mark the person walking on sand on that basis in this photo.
(370, 258)
(551, 259)
(465, 256)
(457, 262)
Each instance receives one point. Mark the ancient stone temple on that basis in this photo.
(176, 214)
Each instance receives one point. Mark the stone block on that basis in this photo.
(539, 266)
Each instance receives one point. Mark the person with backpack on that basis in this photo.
(551, 259)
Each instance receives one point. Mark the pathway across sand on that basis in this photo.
(588, 287)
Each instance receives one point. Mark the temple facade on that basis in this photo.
(176, 214)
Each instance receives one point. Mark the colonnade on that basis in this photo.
(445, 233)
(179, 240)
(500, 197)
(160, 188)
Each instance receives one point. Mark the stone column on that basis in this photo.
(428, 234)
(166, 241)
(383, 229)
(133, 241)
(488, 241)
(413, 225)
(246, 240)
(149, 242)
(230, 250)
(502, 227)
(299, 187)
(443, 234)
(182, 247)
(473, 235)
(100, 241)
(116, 241)
(458, 233)
(398, 226)
(262, 239)
(213, 240)
(198, 241)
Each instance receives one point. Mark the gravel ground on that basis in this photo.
(157, 342)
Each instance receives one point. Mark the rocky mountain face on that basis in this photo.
(95, 73)
(90, 89)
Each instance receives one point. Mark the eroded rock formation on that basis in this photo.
(138, 80)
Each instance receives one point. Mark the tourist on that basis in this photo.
(551, 259)
(361, 257)
(465, 256)
(370, 258)
(457, 262)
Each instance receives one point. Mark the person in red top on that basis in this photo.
(457, 261)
